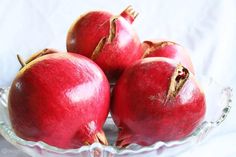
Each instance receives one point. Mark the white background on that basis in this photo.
(207, 28)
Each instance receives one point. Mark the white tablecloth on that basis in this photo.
(206, 28)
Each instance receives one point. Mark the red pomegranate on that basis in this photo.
(168, 49)
(108, 40)
(61, 99)
(156, 100)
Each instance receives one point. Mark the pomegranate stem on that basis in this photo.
(101, 138)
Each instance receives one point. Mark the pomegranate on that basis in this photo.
(169, 49)
(61, 99)
(156, 99)
(108, 40)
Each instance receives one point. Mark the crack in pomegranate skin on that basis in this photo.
(98, 48)
(112, 32)
(150, 47)
(105, 40)
(178, 79)
(168, 49)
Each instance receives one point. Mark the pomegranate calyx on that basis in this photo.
(178, 79)
(34, 56)
(122, 143)
(129, 14)
(150, 47)
(101, 138)
(38, 54)
(124, 138)
(21, 61)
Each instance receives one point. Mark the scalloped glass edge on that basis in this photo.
(97, 149)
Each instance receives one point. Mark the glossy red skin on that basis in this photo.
(170, 50)
(85, 34)
(139, 108)
(61, 99)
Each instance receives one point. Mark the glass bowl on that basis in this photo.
(218, 100)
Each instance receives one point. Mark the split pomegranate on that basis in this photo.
(61, 99)
(154, 100)
(168, 49)
(108, 40)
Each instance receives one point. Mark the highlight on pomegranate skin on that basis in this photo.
(168, 49)
(156, 99)
(59, 98)
(109, 40)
